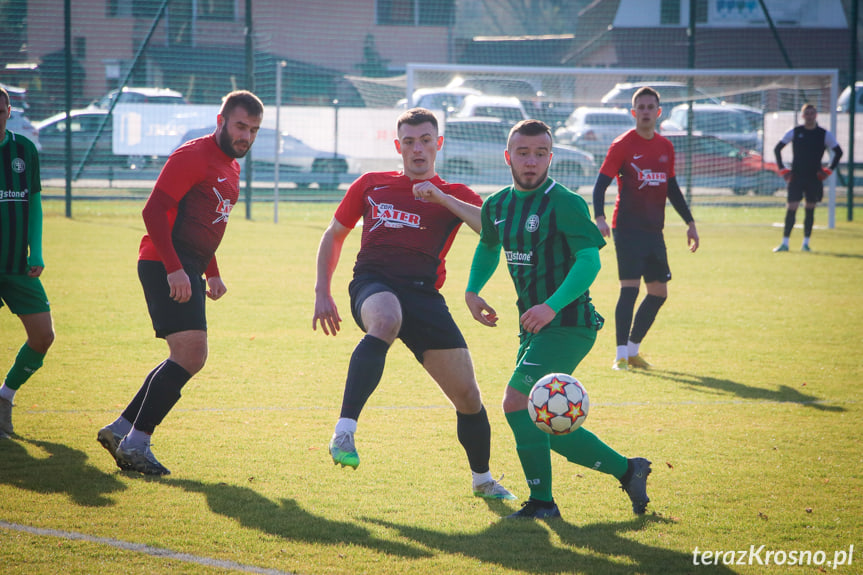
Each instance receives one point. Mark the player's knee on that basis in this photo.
(467, 399)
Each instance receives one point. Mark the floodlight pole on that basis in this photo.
(250, 85)
(278, 139)
(855, 6)
(67, 14)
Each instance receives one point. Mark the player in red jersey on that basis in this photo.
(185, 217)
(410, 219)
(643, 162)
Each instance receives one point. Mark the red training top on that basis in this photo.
(188, 210)
(403, 238)
(643, 168)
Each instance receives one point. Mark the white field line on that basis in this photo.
(141, 548)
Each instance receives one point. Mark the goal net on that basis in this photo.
(724, 123)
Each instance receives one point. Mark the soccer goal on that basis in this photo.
(724, 123)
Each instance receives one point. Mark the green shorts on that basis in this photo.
(24, 295)
(552, 350)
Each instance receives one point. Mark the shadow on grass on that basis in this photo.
(287, 519)
(527, 546)
(61, 470)
(784, 394)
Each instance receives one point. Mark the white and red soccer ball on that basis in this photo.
(558, 404)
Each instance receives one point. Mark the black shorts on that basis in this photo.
(167, 315)
(426, 320)
(641, 254)
(812, 188)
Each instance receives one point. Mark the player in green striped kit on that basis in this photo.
(552, 253)
(21, 257)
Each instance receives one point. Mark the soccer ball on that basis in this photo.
(558, 404)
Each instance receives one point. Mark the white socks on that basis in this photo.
(345, 424)
(7, 393)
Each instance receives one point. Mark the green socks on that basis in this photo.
(26, 363)
(580, 447)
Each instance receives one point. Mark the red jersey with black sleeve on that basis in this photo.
(643, 168)
(403, 238)
(188, 209)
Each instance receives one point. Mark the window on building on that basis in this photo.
(415, 12)
(669, 12)
(118, 8)
(700, 11)
(217, 9)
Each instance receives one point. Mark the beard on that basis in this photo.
(526, 185)
(227, 145)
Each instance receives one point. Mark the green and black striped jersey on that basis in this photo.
(540, 232)
(19, 180)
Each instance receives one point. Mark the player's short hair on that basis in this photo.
(243, 99)
(5, 95)
(415, 117)
(645, 91)
(529, 128)
(808, 105)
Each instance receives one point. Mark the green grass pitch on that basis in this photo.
(752, 418)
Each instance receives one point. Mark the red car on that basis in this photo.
(719, 164)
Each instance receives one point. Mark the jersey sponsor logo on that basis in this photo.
(223, 208)
(532, 223)
(649, 178)
(499, 222)
(390, 217)
(220, 180)
(18, 165)
(14, 195)
(519, 258)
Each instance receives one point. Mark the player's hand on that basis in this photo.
(327, 313)
(537, 317)
(786, 174)
(181, 287)
(216, 288)
(824, 173)
(603, 226)
(428, 192)
(692, 237)
(35, 271)
(480, 310)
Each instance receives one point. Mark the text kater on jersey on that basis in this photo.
(649, 178)
(520, 258)
(391, 217)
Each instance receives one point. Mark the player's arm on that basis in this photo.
(329, 251)
(35, 264)
(675, 196)
(599, 188)
(577, 281)
(468, 213)
(215, 286)
(777, 152)
(158, 225)
(486, 258)
(831, 143)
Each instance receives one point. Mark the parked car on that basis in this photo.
(448, 99)
(739, 125)
(131, 95)
(593, 129)
(85, 127)
(508, 108)
(19, 123)
(17, 96)
(843, 103)
(670, 94)
(295, 156)
(719, 164)
(473, 153)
